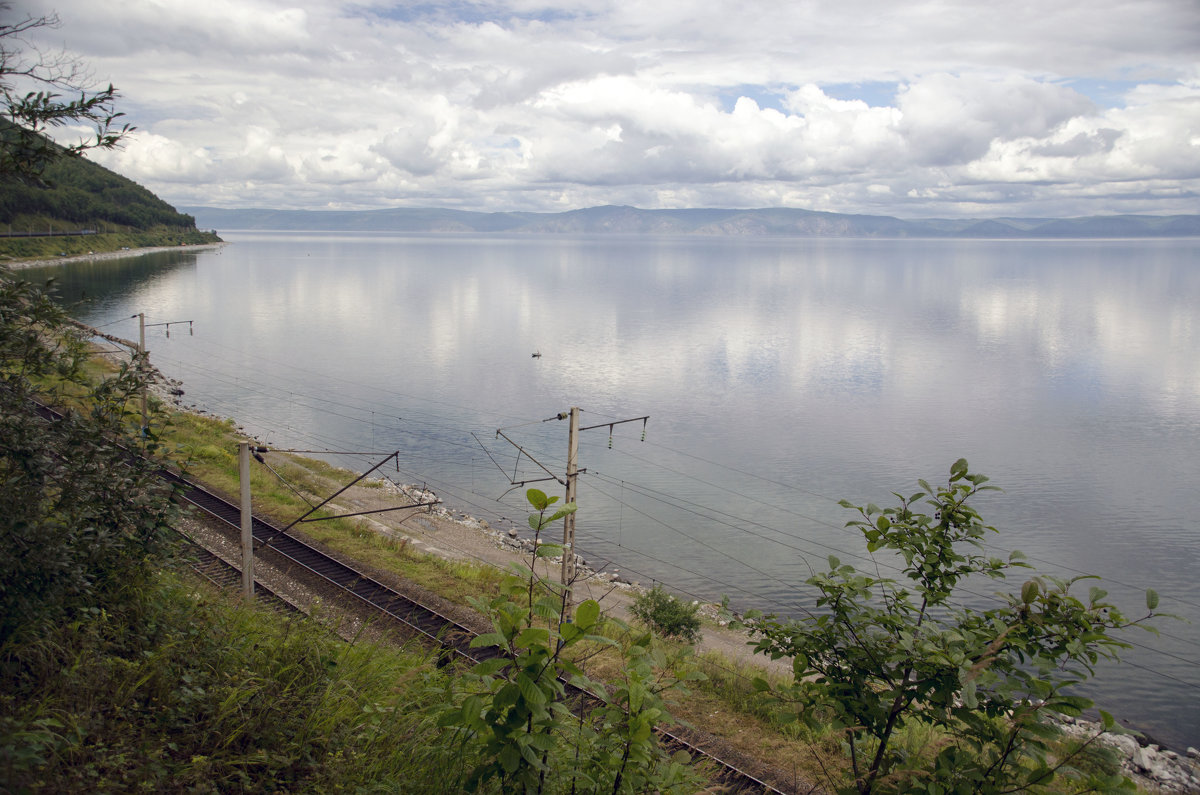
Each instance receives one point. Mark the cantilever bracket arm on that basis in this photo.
(329, 499)
(365, 513)
(531, 458)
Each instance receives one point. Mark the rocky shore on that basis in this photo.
(1152, 767)
(21, 264)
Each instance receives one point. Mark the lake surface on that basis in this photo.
(779, 376)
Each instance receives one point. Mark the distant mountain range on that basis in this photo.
(634, 221)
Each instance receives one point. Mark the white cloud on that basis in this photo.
(1033, 108)
(950, 120)
(147, 157)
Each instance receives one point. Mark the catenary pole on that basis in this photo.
(247, 535)
(144, 371)
(568, 560)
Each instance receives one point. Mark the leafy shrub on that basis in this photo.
(80, 520)
(514, 727)
(668, 616)
(879, 656)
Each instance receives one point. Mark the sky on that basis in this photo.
(931, 108)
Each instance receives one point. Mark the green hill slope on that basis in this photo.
(86, 207)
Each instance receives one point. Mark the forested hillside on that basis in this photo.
(82, 194)
(74, 206)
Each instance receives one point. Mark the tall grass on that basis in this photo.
(176, 691)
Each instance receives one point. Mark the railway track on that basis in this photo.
(445, 633)
(448, 634)
(225, 575)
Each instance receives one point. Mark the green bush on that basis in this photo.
(509, 717)
(668, 616)
(80, 520)
(879, 657)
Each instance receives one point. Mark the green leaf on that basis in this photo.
(543, 742)
(1029, 591)
(1151, 599)
(548, 607)
(489, 667)
(533, 636)
(488, 639)
(587, 614)
(530, 690)
(538, 499)
(968, 695)
(601, 640)
(471, 707)
(1096, 594)
(561, 512)
(510, 758)
(959, 469)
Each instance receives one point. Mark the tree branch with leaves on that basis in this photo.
(40, 91)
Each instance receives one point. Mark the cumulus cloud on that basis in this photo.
(860, 106)
(951, 119)
(147, 157)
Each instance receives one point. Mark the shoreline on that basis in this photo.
(452, 533)
(22, 264)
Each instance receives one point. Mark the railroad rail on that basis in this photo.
(225, 575)
(445, 633)
(448, 634)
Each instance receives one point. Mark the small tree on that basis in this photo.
(882, 654)
(517, 719)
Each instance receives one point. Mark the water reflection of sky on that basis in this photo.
(779, 375)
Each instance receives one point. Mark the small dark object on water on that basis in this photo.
(537, 354)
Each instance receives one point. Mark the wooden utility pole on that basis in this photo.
(247, 535)
(568, 561)
(142, 367)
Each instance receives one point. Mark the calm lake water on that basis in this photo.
(779, 376)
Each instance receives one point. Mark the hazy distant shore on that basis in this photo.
(103, 255)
